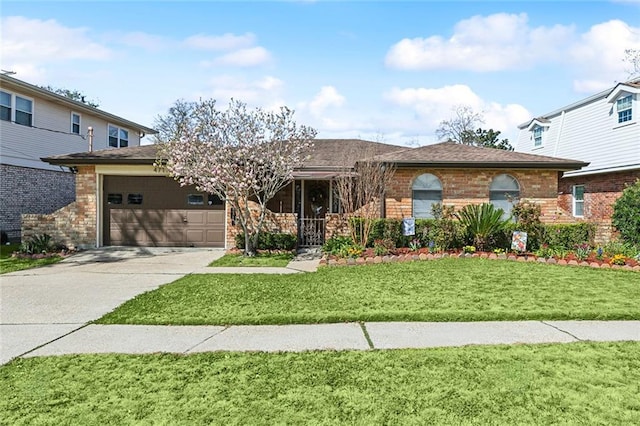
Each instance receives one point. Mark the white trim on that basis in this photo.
(601, 171)
(14, 109)
(120, 128)
(132, 170)
(79, 123)
(100, 212)
(574, 200)
(620, 89)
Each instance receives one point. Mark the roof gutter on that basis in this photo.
(494, 165)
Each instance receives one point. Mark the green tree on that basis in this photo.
(464, 128)
(626, 214)
(75, 95)
(489, 139)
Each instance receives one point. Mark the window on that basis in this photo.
(134, 199)
(5, 106)
(15, 108)
(114, 199)
(118, 138)
(623, 107)
(214, 200)
(503, 192)
(75, 123)
(24, 111)
(426, 191)
(195, 200)
(537, 136)
(578, 200)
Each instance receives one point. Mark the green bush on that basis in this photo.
(568, 236)
(482, 222)
(527, 218)
(433, 233)
(39, 244)
(626, 214)
(336, 245)
(270, 241)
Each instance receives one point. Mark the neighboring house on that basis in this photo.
(604, 130)
(37, 123)
(122, 200)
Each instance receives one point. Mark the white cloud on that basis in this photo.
(599, 53)
(249, 57)
(226, 41)
(430, 106)
(495, 42)
(328, 96)
(264, 92)
(32, 42)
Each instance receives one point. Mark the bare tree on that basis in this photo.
(632, 57)
(360, 189)
(243, 156)
(461, 127)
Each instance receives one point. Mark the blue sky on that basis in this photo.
(375, 70)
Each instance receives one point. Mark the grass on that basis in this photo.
(280, 260)
(443, 290)
(595, 383)
(12, 264)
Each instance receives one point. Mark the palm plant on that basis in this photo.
(481, 221)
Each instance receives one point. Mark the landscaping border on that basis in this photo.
(411, 257)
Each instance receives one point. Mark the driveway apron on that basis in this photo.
(40, 305)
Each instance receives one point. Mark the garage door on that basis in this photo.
(157, 211)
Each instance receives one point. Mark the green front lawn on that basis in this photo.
(578, 383)
(444, 290)
(280, 260)
(12, 264)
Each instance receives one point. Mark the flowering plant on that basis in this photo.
(617, 259)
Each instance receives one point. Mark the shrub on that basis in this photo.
(482, 222)
(568, 236)
(527, 216)
(270, 241)
(336, 244)
(616, 247)
(38, 244)
(626, 214)
(383, 246)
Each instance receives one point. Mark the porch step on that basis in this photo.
(308, 254)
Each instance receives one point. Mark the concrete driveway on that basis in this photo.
(40, 305)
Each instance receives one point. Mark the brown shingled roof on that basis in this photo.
(332, 154)
(451, 154)
(325, 153)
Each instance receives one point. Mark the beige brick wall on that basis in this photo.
(73, 225)
(469, 186)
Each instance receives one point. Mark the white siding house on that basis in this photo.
(603, 130)
(36, 123)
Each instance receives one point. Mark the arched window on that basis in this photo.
(426, 191)
(503, 192)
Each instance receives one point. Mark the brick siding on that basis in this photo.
(600, 193)
(27, 190)
(75, 224)
(468, 186)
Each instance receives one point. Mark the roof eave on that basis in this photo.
(494, 165)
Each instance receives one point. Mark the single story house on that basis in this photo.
(122, 200)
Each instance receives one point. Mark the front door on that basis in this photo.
(312, 203)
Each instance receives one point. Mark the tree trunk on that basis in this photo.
(249, 246)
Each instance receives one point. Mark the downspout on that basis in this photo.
(555, 150)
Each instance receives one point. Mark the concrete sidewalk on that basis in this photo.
(142, 339)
